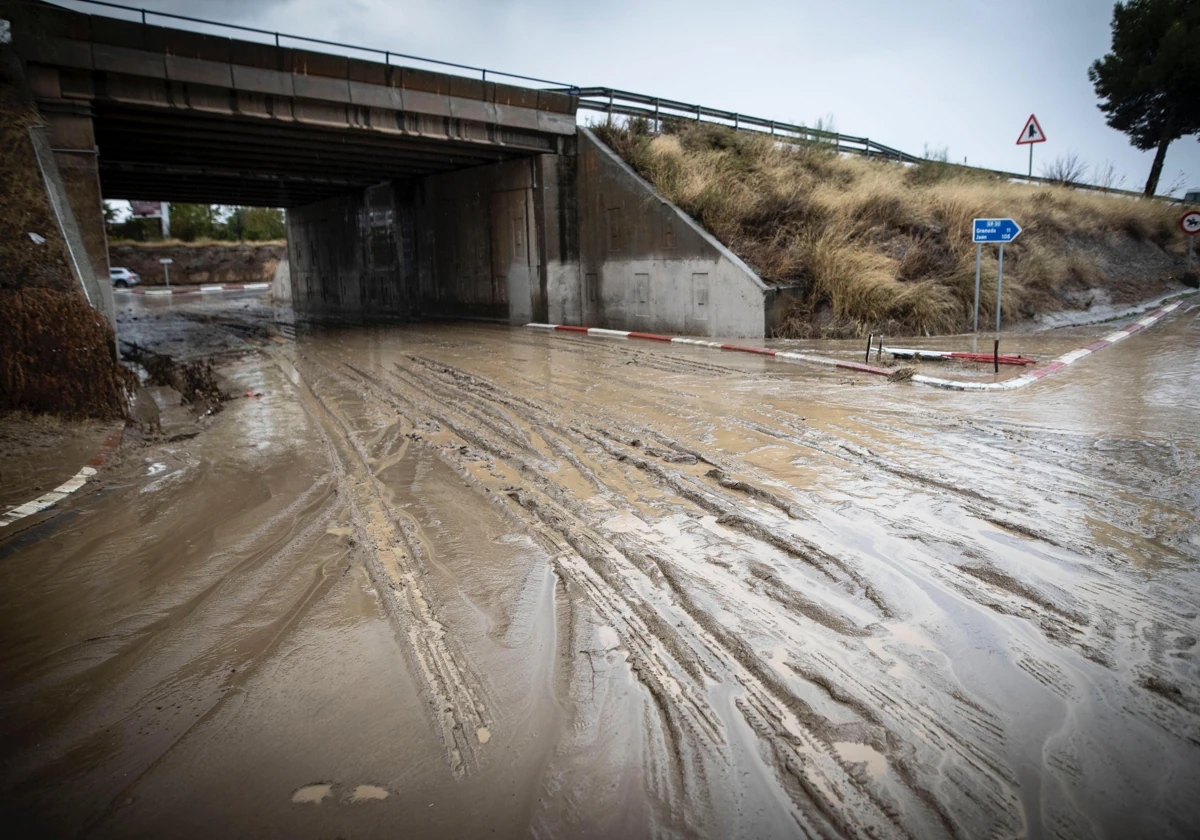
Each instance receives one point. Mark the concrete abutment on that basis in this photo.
(573, 238)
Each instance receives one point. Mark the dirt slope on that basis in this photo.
(879, 246)
(216, 262)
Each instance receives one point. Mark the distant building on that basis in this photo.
(1191, 197)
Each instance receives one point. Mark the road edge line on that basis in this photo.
(71, 485)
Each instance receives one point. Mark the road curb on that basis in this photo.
(47, 500)
(1027, 378)
(1031, 376)
(210, 288)
(786, 355)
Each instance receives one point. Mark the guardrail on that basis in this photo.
(625, 103)
(609, 101)
(279, 37)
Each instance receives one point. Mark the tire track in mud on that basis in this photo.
(947, 748)
(393, 564)
(610, 573)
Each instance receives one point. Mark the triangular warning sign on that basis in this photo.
(1032, 132)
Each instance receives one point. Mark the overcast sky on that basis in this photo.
(959, 74)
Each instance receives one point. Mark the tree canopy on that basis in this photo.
(1149, 85)
(189, 222)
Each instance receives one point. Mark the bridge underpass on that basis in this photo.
(409, 193)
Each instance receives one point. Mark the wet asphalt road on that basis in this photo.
(463, 580)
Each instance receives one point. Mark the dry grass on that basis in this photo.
(877, 245)
(58, 356)
(24, 208)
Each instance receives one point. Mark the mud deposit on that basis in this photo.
(467, 580)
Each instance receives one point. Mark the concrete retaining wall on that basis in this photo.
(353, 258)
(573, 239)
(646, 265)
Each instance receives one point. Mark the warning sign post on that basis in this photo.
(1030, 134)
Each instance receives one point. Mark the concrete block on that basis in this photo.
(210, 99)
(323, 113)
(259, 80)
(76, 83)
(376, 96)
(553, 123)
(134, 62)
(512, 117)
(44, 82)
(472, 109)
(518, 97)
(321, 87)
(49, 22)
(559, 103)
(308, 63)
(59, 52)
(126, 33)
(373, 72)
(197, 46)
(413, 78)
(469, 88)
(262, 56)
(199, 71)
(136, 89)
(425, 103)
(252, 104)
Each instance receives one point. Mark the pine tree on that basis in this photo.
(1150, 83)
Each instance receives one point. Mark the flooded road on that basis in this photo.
(457, 580)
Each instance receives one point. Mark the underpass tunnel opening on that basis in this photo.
(378, 228)
(409, 192)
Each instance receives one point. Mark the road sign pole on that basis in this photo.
(978, 263)
(1030, 160)
(999, 286)
(1191, 247)
(167, 274)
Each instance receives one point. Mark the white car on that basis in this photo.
(123, 278)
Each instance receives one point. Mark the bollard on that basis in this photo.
(996, 356)
(867, 359)
(879, 353)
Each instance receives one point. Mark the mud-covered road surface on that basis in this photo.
(471, 580)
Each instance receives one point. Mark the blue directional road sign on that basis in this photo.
(996, 230)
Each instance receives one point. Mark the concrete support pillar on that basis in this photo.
(73, 141)
(556, 205)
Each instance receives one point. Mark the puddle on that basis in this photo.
(368, 793)
(312, 794)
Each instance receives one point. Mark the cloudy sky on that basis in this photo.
(957, 74)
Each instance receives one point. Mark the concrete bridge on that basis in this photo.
(409, 193)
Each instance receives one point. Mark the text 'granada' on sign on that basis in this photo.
(996, 230)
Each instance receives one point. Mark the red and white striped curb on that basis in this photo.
(1027, 378)
(202, 290)
(716, 345)
(1031, 376)
(68, 487)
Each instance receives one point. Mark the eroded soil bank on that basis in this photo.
(457, 580)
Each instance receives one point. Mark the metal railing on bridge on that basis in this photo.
(282, 37)
(625, 103)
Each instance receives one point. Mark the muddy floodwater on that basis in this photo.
(471, 580)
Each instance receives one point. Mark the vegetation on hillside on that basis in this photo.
(205, 223)
(882, 246)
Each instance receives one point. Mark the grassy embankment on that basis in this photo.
(879, 246)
